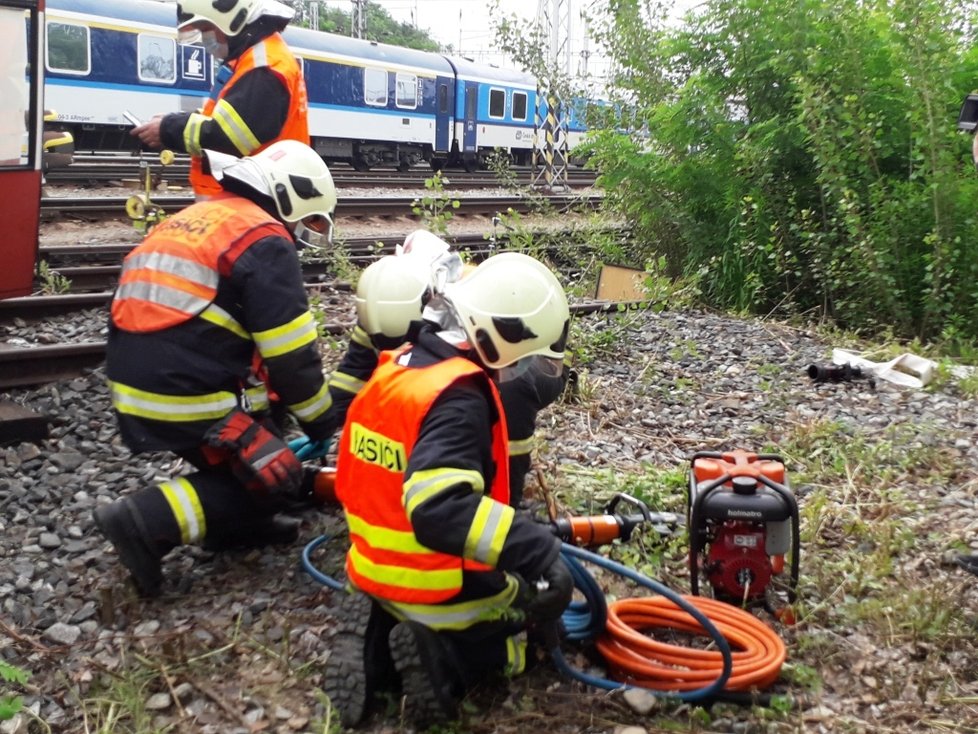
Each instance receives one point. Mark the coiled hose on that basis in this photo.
(637, 661)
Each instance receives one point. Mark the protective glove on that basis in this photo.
(305, 448)
(262, 461)
(554, 589)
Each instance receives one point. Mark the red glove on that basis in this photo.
(262, 461)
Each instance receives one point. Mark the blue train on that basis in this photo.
(370, 104)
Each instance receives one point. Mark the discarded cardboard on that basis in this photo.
(620, 283)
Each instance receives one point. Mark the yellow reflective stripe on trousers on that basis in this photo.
(345, 382)
(426, 484)
(402, 541)
(288, 337)
(448, 579)
(191, 133)
(181, 408)
(520, 447)
(185, 505)
(219, 317)
(237, 130)
(462, 615)
(488, 531)
(311, 409)
(515, 655)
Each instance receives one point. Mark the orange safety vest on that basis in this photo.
(272, 52)
(385, 558)
(173, 274)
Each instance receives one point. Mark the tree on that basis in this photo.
(801, 155)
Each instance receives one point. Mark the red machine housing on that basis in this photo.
(743, 523)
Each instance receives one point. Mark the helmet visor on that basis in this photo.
(315, 231)
(536, 365)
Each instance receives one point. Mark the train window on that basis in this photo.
(375, 87)
(443, 99)
(157, 59)
(519, 105)
(69, 50)
(497, 103)
(406, 91)
(14, 89)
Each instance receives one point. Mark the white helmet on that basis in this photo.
(511, 307)
(289, 172)
(391, 293)
(423, 243)
(231, 16)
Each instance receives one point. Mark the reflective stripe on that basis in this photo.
(259, 56)
(166, 262)
(381, 538)
(515, 655)
(191, 133)
(463, 614)
(488, 532)
(361, 337)
(237, 130)
(520, 447)
(162, 295)
(425, 484)
(181, 408)
(345, 382)
(288, 337)
(311, 409)
(219, 317)
(185, 505)
(406, 578)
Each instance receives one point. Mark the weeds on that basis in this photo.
(51, 281)
(11, 704)
(435, 208)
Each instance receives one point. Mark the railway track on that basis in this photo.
(104, 167)
(38, 365)
(352, 207)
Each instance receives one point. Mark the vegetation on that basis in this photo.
(379, 25)
(802, 157)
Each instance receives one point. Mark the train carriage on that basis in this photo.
(106, 57)
(371, 103)
(494, 110)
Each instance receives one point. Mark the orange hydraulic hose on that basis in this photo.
(639, 660)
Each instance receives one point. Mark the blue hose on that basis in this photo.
(585, 620)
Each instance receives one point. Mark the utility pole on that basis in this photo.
(358, 22)
(550, 151)
(314, 15)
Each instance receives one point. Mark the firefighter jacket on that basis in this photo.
(522, 398)
(211, 314)
(426, 434)
(258, 98)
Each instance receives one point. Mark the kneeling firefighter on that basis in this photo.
(390, 298)
(209, 323)
(447, 576)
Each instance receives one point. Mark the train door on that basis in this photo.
(443, 113)
(21, 118)
(471, 112)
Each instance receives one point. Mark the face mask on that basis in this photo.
(217, 49)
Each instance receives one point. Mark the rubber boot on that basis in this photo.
(430, 674)
(359, 662)
(968, 562)
(274, 530)
(122, 524)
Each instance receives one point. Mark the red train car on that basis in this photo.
(21, 120)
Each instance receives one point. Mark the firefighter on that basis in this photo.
(209, 327)
(390, 298)
(258, 96)
(447, 575)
